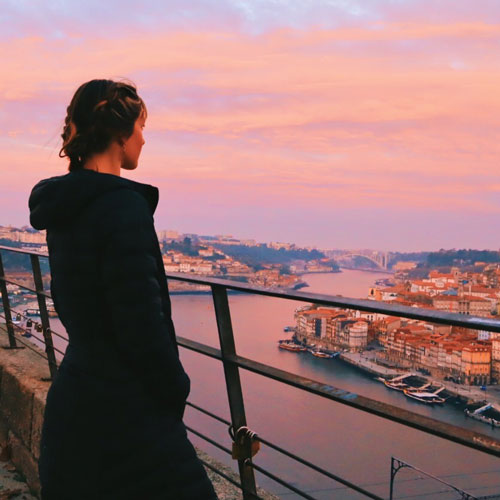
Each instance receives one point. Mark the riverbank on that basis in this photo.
(367, 270)
(465, 393)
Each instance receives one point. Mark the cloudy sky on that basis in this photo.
(335, 123)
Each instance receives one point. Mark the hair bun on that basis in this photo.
(100, 112)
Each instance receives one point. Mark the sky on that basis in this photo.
(329, 123)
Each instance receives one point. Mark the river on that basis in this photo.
(347, 442)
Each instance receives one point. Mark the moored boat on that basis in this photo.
(322, 354)
(32, 311)
(402, 382)
(486, 413)
(291, 346)
(425, 396)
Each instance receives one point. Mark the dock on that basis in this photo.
(466, 393)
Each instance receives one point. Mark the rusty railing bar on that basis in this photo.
(44, 316)
(36, 322)
(18, 327)
(284, 483)
(206, 412)
(24, 287)
(459, 435)
(209, 440)
(432, 315)
(233, 383)
(26, 252)
(26, 344)
(6, 307)
(280, 450)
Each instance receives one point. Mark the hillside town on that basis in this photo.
(451, 353)
(208, 256)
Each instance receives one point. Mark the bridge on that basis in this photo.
(380, 259)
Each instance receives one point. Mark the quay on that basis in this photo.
(466, 393)
(369, 365)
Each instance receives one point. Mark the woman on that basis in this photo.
(113, 420)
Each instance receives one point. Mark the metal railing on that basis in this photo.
(244, 441)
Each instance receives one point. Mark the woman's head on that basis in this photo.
(100, 113)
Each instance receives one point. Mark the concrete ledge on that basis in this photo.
(23, 391)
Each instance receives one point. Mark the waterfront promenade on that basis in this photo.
(366, 362)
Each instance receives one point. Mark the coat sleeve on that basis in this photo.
(131, 286)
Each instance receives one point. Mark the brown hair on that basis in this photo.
(100, 112)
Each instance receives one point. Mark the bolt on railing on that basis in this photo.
(232, 362)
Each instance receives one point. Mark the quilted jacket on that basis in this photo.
(113, 420)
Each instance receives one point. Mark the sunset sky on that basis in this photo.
(334, 123)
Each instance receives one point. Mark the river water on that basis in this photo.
(347, 442)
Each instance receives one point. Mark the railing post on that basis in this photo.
(6, 307)
(393, 474)
(44, 316)
(233, 383)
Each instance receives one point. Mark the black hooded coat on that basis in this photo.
(113, 420)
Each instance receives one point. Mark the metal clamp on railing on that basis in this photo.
(246, 443)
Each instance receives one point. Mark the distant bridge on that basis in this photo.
(381, 259)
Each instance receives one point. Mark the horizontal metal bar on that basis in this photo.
(25, 330)
(280, 450)
(35, 337)
(284, 483)
(10, 282)
(20, 250)
(316, 468)
(42, 341)
(444, 430)
(206, 412)
(31, 347)
(209, 440)
(53, 332)
(288, 454)
(434, 316)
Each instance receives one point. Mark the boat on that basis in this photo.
(32, 312)
(486, 413)
(323, 354)
(289, 329)
(291, 346)
(425, 396)
(400, 383)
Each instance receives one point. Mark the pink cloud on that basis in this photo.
(321, 117)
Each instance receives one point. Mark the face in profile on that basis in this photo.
(132, 146)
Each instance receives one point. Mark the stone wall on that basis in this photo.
(23, 390)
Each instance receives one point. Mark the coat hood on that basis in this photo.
(56, 201)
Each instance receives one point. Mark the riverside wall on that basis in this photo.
(24, 383)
